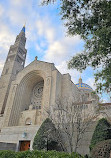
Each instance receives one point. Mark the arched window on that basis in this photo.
(28, 121)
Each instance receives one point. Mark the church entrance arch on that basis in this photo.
(30, 93)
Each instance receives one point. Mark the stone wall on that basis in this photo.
(1, 121)
(83, 147)
(7, 146)
(15, 134)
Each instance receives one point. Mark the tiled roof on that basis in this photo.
(84, 86)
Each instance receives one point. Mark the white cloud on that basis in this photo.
(1, 65)
(1, 10)
(17, 2)
(16, 17)
(61, 49)
(38, 48)
(91, 82)
(21, 12)
(74, 73)
(6, 37)
(44, 29)
(21, 3)
(28, 61)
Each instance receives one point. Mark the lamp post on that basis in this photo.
(47, 139)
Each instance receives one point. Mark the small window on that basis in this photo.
(28, 121)
(8, 59)
(6, 71)
(22, 63)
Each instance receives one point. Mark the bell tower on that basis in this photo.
(14, 63)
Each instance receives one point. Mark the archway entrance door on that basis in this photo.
(24, 145)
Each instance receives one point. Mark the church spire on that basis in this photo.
(23, 29)
(21, 39)
(14, 63)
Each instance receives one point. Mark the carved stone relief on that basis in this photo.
(48, 81)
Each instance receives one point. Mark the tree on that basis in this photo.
(46, 137)
(102, 132)
(91, 19)
(72, 119)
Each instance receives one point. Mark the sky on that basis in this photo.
(46, 36)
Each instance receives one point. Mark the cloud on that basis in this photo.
(1, 65)
(1, 10)
(21, 3)
(6, 37)
(17, 2)
(45, 30)
(91, 82)
(39, 48)
(16, 17)
(105, 97)
(63, 70)
(61, 49)
(58, 46)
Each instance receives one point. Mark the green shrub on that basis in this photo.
(102, 149)
(25, 154)
(46, 137)
(101, 133)
(7, 154)
(38, 154)
(76, 155)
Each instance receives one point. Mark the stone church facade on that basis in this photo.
(27, 92)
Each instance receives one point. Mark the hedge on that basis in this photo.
(38, 154)
(102, 132)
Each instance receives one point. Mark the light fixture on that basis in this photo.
(24, 135)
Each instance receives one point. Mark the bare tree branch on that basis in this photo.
(72, 120)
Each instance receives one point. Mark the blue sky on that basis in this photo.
(46, 36)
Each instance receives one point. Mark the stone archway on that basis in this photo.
(24, 94)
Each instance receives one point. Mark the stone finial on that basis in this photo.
(31, 107)
(36, 58)
(80, 80)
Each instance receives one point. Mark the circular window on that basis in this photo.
(38, 90)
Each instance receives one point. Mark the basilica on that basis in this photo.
(26, 93)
